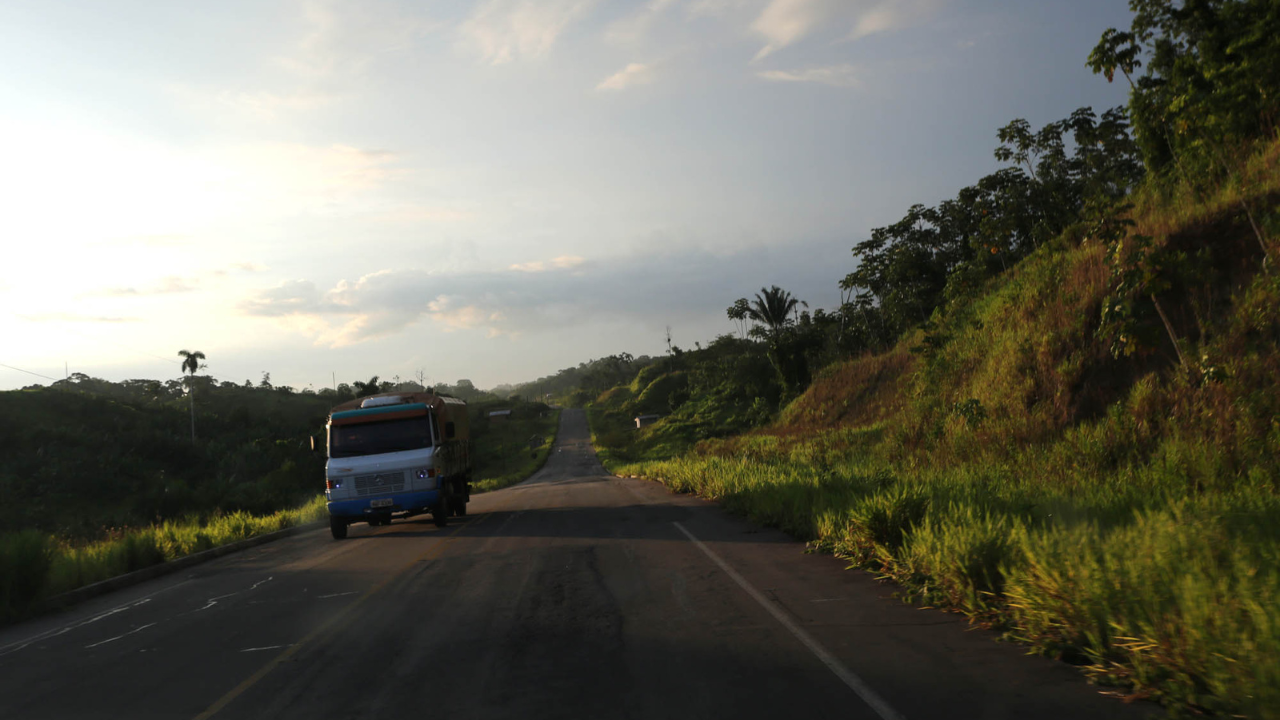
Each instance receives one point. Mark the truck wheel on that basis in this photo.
(338, 528)
(440, 513)
(460, 510)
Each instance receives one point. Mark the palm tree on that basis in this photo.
(190, 364)
(364, 389)
(771, 307)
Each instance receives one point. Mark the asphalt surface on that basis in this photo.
(573, 595)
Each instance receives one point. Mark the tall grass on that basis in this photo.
(35, 566)
(1119, 513)
(1178, 599)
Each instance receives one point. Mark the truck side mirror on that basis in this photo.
(448, 430)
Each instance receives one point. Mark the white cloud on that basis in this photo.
(636, 26)
(891, 15)
(342, 39)
(834, 75)
(786, 22)
(288, 178)
(65, 317)
(564, 262)
(166, 286)
(632, 74)
(450, 312)
(500, 31)
(783, 22)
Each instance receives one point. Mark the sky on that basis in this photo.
(491, 189)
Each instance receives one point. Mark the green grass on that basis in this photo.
(35, 566)
(504, 455)
(1121, 514)
(1175, 595)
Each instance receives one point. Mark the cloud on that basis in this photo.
(547, 296)
(834, 75)
(451, 312)
(262, 105)
(783, 22)
(500, 31)
(77, 318)
(293, 179)
(291, 297)
(786, 22)
(891, 15)
(341, 40)
(632, 74)
(166, 286)
(636, 26)
(564, 262)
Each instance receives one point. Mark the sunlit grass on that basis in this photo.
(34, 565)
(1122, 514)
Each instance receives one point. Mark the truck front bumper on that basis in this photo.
(360, 509)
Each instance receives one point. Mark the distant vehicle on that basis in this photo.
(397, 454)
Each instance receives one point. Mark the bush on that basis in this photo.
(25, 558)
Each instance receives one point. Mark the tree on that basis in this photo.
(190, 365)
(772, 308)
(1210, 80)
(365, 389)
(787, 343)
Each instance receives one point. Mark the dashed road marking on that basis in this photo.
(104, 642)
(343, 616)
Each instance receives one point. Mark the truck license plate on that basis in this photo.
(384, 502)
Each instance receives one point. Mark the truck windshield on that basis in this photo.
(372, 438)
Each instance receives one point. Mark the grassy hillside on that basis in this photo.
(511, 449)
(1117, 507)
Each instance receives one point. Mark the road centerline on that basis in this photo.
(847, 676)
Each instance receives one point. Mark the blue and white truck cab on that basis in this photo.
(397, 454)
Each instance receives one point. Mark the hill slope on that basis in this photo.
(1105, 491)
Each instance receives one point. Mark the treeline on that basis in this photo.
(576, 385)
(86, 455)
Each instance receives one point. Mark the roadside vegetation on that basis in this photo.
(105, 478)
(1050, 403)
(511, 448)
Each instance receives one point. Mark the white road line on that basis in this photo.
(49, 634)
(331, 595)
(855, 683)
(214, 601)
(104, 642)
(269, 647)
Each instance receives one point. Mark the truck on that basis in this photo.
(397, 454)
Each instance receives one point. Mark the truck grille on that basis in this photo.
(380, 483)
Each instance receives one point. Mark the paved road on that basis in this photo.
(573, 595)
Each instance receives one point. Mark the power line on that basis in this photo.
(46, 377)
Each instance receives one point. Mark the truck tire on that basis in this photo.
(460, 509)
(338, 528)
(440, 513)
